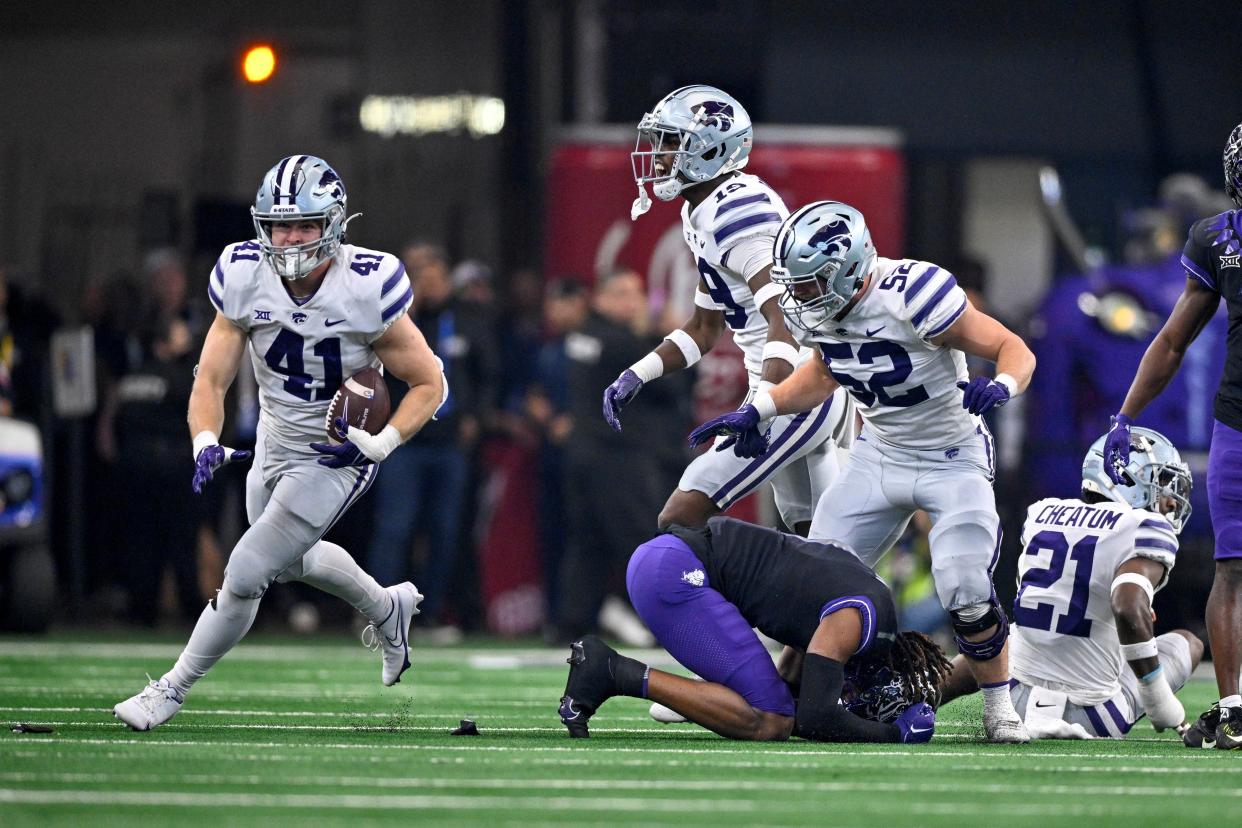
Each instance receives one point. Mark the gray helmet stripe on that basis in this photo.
(287, 176)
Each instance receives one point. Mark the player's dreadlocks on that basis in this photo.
(920, 666)
(913, 671)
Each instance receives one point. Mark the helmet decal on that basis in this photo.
(717, 112)
(833, 239)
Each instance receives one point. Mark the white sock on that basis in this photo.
(996, 700)
(222, 624)
(329, 567)
(1231, 701)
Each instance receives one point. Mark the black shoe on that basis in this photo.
(590, 684)
(1202, 734)
(1229, 731)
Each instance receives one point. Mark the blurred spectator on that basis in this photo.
(160, 518)
(612, 486)
(8, 350)
(423, 485)
(546, 405)
(521, 337)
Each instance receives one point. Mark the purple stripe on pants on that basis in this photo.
(1097, 722)
(1224, 484)
(669, 589)
(1118, 719)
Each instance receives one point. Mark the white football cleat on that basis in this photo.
(157, 703)
(666, 715)
(1005, 729)
(391, 636)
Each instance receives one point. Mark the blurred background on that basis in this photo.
(1051, 154)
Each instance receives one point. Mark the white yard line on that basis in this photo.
(562, 784)
(725, 749)
(531, 803)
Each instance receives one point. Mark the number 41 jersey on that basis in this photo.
(1065, 637)
(302, 352)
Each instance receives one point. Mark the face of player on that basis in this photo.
(669, 143)
(294, 233)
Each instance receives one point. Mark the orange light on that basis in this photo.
(259, 63)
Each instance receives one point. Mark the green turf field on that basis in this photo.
(286, 732)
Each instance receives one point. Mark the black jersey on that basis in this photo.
(782, 583)
(1211, 256)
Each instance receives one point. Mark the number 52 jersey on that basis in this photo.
(1065, 637)
(905, 387)
(301, 352)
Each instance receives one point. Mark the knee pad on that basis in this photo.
(992, 615)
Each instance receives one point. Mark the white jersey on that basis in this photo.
(302, 352)
(905, 387)
(1065, 637)
(726, 233)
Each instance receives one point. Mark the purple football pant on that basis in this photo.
(668, 587)
(1224, 482)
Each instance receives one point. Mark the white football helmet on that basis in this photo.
(822, 254)
(1158, 480)
(300, 187)
(694, 134)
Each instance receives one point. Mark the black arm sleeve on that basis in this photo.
(821, 719)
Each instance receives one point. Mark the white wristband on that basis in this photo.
(686, 344)
(1138, 580)
(1143, 649)
(376, 447)
(202, 440)
(765, 405)
(1009, 382)
(783, 351)
(649, 367)
(1162, 707)
(769, 291)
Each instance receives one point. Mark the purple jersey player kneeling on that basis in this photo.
(700, 591)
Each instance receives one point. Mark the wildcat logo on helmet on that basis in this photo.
(330, 184)
(718, 111)
(832, 239)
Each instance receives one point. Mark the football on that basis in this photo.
(362, 401)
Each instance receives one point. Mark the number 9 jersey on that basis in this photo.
(301, 352)
(730, 236)
(1065, 636)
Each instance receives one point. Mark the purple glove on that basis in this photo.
(917, 723)
(1117, 448)
(211, 458)
(981, 395)
(741, 427)
(342, 455)
(618, 395)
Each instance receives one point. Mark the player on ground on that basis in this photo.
(700, 591)
(313, 310)
(1211, 259)
(698, 140)
(893, 333)
(1088, 572)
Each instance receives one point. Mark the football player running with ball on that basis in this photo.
(700, 591)
(698, 139)
(313, 310)
(1088, 571)
(1213, 262)
(893, 333)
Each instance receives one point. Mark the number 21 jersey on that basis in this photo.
(1065, 637)
(302, 352)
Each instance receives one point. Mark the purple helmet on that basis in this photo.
(1233, 165)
